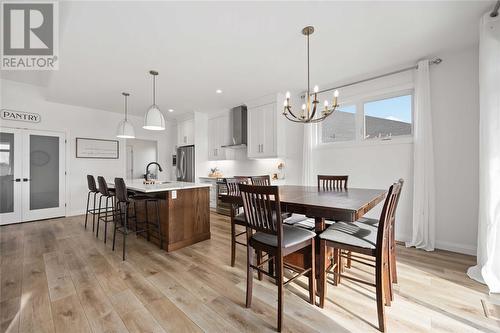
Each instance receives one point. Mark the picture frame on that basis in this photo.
(97, 148)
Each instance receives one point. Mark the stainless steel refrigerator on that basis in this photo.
(185, 164)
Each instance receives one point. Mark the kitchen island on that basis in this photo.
(183, 211)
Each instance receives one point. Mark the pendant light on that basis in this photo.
(125, 128)
(153, 120)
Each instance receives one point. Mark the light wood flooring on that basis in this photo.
(56, 276)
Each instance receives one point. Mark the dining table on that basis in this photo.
(337, 204)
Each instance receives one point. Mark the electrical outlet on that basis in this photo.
(174, 194)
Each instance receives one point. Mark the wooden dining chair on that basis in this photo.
(392, 242)
(327, 182)
(368, 240)
(236, 218)
(261, 180)
(330, 183)
(266, 233)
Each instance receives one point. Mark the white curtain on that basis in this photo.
(487, 269)
(307, 165)
(424, 219)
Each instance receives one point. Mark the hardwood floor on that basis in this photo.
(56, 276)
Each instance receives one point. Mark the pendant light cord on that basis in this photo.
(154, 89)
(308, 79)
(126, 119)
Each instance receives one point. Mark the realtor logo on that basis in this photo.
(30, 35)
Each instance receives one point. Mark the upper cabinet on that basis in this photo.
(266, 130)
(218, 136)
(185, 132)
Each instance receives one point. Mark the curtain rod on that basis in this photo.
(434, 61)
(494, 13)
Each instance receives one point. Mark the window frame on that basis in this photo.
(359, 101)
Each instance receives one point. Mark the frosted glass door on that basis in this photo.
(10, 175)
(43, 176)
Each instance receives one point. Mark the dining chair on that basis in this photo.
(368, 240)
(266, 233)
(327, 182)
(261, 180)
(392, 242)
(236, 218)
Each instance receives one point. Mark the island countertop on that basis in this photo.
(139, 186)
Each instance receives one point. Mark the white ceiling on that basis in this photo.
(247, 49)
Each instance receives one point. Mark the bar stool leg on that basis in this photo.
(159, 223)
(147, 220)
(98, 217)
(125, 231)
(106, 219)
(115, 222)
(93, 210)
(87, 210)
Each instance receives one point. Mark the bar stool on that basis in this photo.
(92, 190)
(109, 211)
(123, 205)
(148, 225)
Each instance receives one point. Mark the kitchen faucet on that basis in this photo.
(147, 176)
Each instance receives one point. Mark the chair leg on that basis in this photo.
(125, 231)
(386, 278)
(259, 261)
(279, 274)
(87, 210)
(93, 215)
(322, 273)
(392, 263)
(147, 220)
(233, 242)
(249, 276)
(379, 285)
(312, 275)
(98, 217)
(348, 262)
(106, 220)
(158, 221)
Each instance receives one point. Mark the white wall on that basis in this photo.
(78, 121)
(455, 109)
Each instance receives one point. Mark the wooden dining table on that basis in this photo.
(334, 204)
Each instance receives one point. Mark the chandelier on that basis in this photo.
(309, 113)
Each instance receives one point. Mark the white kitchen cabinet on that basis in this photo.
(218, 136)
(185, 132)
(265, 130)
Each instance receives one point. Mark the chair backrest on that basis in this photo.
(103, 186)
(261, 180)
(261, 205)
(120, 190)
(328, 183)
(232, 184)
(91, 183)
(387, 217)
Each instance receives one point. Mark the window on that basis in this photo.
(340, 126)
(370, 118)
(388, 117)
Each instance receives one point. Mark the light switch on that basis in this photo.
(174, 194)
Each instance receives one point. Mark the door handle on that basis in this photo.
(26, 179)
(17, 180)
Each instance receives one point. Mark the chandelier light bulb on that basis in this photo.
(336, 93)
(326, 104)
(303, 106)
(287, 95)
(285, 103)
(316, 89)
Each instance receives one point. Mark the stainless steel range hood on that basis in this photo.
(238, 118)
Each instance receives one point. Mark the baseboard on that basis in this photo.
(459, 248)
(76, 212)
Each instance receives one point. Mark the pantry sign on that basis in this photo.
(28, 117)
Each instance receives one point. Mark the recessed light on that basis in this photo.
(218, 91)
(170, 110)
